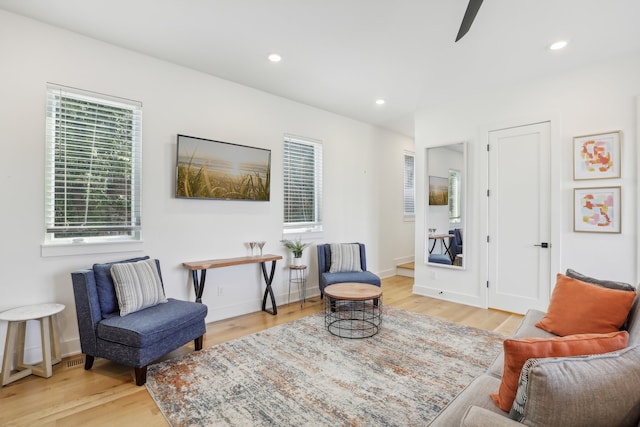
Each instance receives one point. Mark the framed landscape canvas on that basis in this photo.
(596, 156)
(438, 191)
(209, 169)
(597, 210)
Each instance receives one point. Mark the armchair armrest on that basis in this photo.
(87, 308)
(480, 417)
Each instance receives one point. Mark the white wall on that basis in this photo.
(594, 99)
(362, 174)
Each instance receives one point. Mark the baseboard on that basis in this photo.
(459, 298)
(405, 272)
(385, 274)
(404, 260)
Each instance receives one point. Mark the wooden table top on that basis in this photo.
(440, 236)
(31, 312)
(353, 291)
(226, 262)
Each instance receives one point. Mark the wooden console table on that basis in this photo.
(202, 266)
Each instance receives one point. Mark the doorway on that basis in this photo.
(519, 245)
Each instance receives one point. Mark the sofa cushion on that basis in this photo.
(611, 284)
(152, 324)
(633, 321)
(577, 307)
(527, 329)
(475, 394)
(104, 284)
(137, 285)
(518, 351)
(345, 257)
(602, 390)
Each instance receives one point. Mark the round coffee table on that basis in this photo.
(353, 310)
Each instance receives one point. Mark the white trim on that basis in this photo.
(51, 249)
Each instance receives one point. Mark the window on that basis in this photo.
(93, 160)
(302, 185)
(409, 186)
(454, 196)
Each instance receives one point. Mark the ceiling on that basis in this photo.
(342, 55)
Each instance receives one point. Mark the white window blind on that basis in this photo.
(454, 196)
(409, 185)
(302, 168)
(92, 170)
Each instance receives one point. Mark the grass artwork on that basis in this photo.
(438, 191)
(217, 170)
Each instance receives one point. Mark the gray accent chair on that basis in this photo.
(138, 338)
(325, 278)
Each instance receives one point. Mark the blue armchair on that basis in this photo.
(138, 338)
(326, 278)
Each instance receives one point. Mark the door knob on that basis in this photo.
(543, 245)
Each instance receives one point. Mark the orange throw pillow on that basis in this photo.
(577, 307)
(518, 351)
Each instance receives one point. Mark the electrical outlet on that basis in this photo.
(220, 291)
(432, 275)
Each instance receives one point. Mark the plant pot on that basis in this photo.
(296, 261)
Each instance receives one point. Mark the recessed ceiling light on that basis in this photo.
(380, 101)
(274, 57)
(560, 44)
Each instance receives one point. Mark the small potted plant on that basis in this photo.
(296, 247)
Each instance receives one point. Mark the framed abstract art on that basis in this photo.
(597, 210)
(596, 156)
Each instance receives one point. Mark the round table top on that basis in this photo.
(353, 291)
(31, 312)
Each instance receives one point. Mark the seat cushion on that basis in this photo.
(104, 284)
(350, 276)
(149, 325)
(440, 259)
(475, 394)
(527, 329)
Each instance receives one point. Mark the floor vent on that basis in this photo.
(75, 362)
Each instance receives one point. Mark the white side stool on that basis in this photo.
(16, 331)
(297, 275)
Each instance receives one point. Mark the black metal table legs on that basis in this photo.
(268, 279)
(198, 286)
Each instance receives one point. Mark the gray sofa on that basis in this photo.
(600, 390)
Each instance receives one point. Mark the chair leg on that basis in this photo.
(141, 375)
(88, 362)
(198, 342)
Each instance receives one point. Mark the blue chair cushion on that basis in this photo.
(106, 290)
(351, 276)
(440, 259)
(152, 324)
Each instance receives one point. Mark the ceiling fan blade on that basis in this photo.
(469, 16)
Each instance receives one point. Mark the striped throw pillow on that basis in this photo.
(345, 257)
(137, 285)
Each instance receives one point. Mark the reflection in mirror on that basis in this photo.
(446, 171)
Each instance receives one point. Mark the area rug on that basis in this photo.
(298, 374)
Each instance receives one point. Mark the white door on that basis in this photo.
(519, 246)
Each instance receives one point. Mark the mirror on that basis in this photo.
(445, 226)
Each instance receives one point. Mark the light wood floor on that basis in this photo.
(107, 394)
